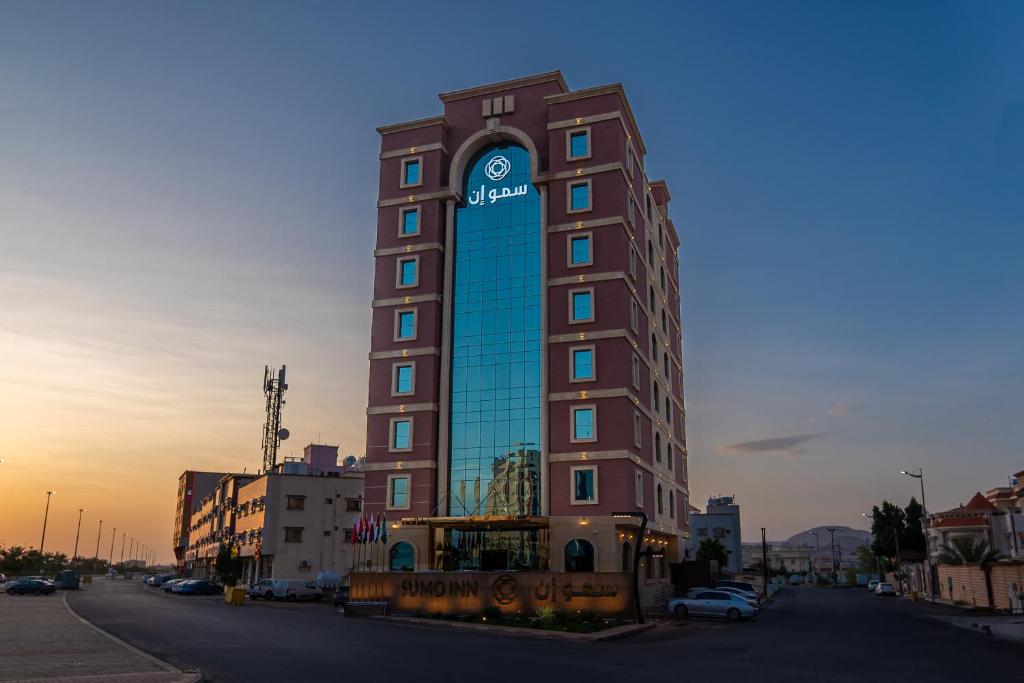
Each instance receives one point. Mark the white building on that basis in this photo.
(720, 521)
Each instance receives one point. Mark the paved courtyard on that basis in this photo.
(40, 639)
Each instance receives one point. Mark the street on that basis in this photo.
(808, 634)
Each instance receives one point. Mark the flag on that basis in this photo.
(376, 529)
(384, 527)
(371, 529)
(361, 524)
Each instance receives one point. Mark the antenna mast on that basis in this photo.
(274, 387)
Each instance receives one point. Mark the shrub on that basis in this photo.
(588, 615)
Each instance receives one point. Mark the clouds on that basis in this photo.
(840, 408)
(787, 445)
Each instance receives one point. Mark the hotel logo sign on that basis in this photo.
(497, 168)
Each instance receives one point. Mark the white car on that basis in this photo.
(751, 598)
(296, 589)
(713, 603)
(885, 589)
(873, 584)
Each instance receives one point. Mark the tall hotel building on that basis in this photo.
(526, 377)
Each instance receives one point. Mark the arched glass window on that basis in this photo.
(650, 295)
(648, 566)
(664, 357)
(654, 347)
(672, 504)
(627, 557)
(657, 447)
(401, 557)
(660, 505)
(668, 455)
(657, 396)
(668, 410)
(579, 556)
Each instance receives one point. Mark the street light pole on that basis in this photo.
(637, 554)
(113, 534)
(46, 517)
(817, 555)
(78, 533)
(919, 475)
(124, 535)
(98, 534)
(832, 545)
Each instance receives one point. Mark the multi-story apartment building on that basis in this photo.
(193, 486)
(721, 522)
(293, 522)
(290, 526)
(526, 366)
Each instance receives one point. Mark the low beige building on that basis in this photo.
(293, 526)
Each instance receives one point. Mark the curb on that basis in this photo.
(615, 633)
(188, 676)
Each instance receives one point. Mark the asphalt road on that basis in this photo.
(807, 635)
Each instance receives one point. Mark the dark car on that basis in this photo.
(31, 587)
(196, 587)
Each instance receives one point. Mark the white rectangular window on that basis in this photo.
(412, 172)
(403, 379)
(584, 424)
(636, 371)
(400, 434)
(581, 360)
(398, 491)
(408, 221)
(638, 488)
(581, 305)
(584, 485)
(638, 433)
(407, 272)
(634, 315)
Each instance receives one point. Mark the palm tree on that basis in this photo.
(967, 550)
(712, 549)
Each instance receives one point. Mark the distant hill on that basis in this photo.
(847, 539)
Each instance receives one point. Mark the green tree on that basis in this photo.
(887, 523)
(712, 549)
(913, 532)
(967, 550)
(867, 561)
(228, 566)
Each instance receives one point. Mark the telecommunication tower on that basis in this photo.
(274, 387)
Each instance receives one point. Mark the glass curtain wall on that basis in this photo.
(496, 339)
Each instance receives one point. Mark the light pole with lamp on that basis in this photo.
(78, 534)
(98, 534)
(919, 475)
(46, 517)
(637, 554)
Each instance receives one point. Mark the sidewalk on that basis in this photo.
(41, 638)
(1004, 626)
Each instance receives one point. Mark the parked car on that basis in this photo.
(873, 584)
(263, 589)
(751, 598)
(742, 585)
(713, 603)
(111, 573)
(296, 589)
(3, 578)
(31, 586)
(168, 585)
(885, 589)
(795, 580)
(161, 579)
(196, 587)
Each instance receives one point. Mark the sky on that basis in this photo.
(187, 193)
